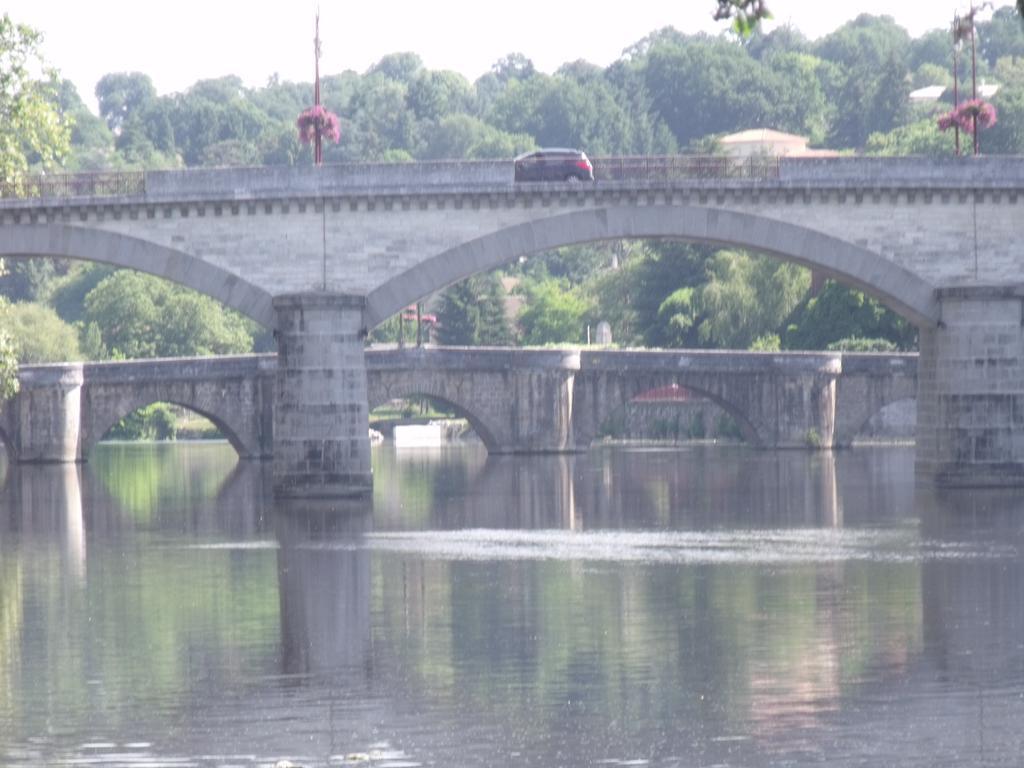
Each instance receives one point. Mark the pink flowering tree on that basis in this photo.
(316, 120)
(970, 116)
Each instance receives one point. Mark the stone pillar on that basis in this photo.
(970, 406)
(321, 414)
(49, 413)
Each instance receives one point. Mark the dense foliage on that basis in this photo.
(33, 129)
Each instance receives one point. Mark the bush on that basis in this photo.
(154, 422)
(727, 427)
(40, 336)
(857, 344)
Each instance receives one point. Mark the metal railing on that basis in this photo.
(678, 167)
(75, 185)
(656, 169)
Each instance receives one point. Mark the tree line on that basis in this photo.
(668, 93)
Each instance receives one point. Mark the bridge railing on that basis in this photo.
(675, 167)
(666, 168)
(75, 185)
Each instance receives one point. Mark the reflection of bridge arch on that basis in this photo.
(905, 292)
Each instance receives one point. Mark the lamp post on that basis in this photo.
(318, 153)
(956, 75)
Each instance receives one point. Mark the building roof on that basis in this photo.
(672, 393)
(936, 92)
(928, 93)
(763, 135)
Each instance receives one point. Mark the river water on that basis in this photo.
(708, 606)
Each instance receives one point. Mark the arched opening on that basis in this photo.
(450, 422)
(64, 309)
(907, 294)
(677, 414)
(118, 250)
(674, 413)
(163, 422)
(894, 422)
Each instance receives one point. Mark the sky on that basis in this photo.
(177, 43)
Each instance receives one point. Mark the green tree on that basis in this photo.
(553, 314)
(747, 297)
(839, 313)
(68, 295)
(785, 39)
(8, 355)
(213, 111)
(432, 95)
(142, 316)
(400, 67)
(465, 136)
(381, 120)
(40, 336)
(934, 47)
(32, 129)
(705, 86)
(472, 313)
(31, 279)
(1007, 135)
(870, 92)
(92, 143)
(680, 317)
(121, 95)
(920, 138)
(1001, 36)
(576, 264)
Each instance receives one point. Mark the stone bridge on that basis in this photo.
(322, 254)
(517, 400)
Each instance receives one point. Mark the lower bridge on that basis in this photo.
(517, 400)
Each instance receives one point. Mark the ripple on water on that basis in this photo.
(742, 547)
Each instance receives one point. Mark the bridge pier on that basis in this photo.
(44, 424)
(970, 408)
(321, 416)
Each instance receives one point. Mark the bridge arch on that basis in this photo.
(633, 390)
(486, 432)
(85, 244)
(888, 411)
(866, 270)
(103, 421)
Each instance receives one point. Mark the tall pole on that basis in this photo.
(956, 77)
(974, 79)
(318, 155)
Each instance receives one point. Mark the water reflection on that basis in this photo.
(976, 597)
(44, 501)
(696, 607)
(324, 584)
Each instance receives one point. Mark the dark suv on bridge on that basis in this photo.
(554, 165)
